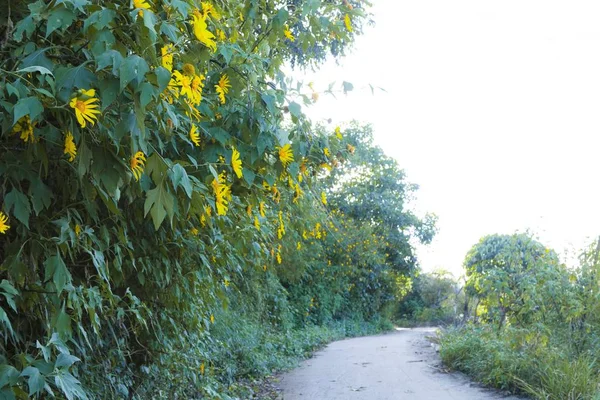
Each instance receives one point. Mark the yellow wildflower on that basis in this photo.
(194, 231)
(77, 229)
(286, 155)
(249, 210)
(212, 319)
(276, 194)
(143, 5)
(137, 164)
(70, 147)
(202, 368)
(288, 34)
(85, 109)
(350, 148)
(222, 87)
(278, 258)
(25, 128)
(167, 56)
(222, 194)
(338, 132)
(323, 198)
(209, 9)
(298, 246)
(236, 163)
(256, 223)
(201, 31)
(221, 35)
(226, 282)
(261, 208)
(3, 223)
(348, 23)
(326, 151)
(194, 135)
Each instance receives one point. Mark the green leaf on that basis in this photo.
(159, 202)
(36, 68)
(65, 360)
(31, 106)
(9, 375)
(295, 109)
(163, 77)
(55, 267)
(169, 31)
(179, 177)
(77, 4)
(347, 86)
(146, 94)
(109, 90)
(133, 67)
(100, 19)
(59, 18)
(62, 323)
(69, 385)
(40, 195)
(79, 77)
(20, 203)
(249, 176)
(38, 58)
(110, 58)
(35, 382)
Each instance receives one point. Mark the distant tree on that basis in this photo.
(506, 272)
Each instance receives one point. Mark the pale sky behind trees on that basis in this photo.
(492, 107)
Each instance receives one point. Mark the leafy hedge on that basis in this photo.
(156, 164)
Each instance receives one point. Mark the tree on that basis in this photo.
(506, 273)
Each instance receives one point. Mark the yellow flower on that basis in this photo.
(194, 231)
(85, 109)
(212, 319)
(338, 132)
(137, 164)
(222, 194)
(221, 35)
(209, 9)
(236, 163)
(202, 368)
(167, 56)
(143, 4)
(276, 194)
(350, 148)
(256, 223)
(25, 127)
(326, 151)
(77, 230)
(326, 166)
(297, 194)
(298, 246)
(201, 31)
(348, 23)
(288, 34)
(70, 147)
(194, 135)
(323, 198)
(222, 87)
(226, 282)
(261, 208)
(286, 155)
(3, 220)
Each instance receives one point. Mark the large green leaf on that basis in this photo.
(19, 203)
(35, 382)
(132, 68)
(159, 202)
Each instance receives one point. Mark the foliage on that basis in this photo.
(548, 346)
(165, 222)
(435, 299)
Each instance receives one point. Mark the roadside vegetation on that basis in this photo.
(171, 223)
(530, 324)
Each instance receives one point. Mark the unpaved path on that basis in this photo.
(396, 366)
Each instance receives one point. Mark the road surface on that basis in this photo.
(402, 365)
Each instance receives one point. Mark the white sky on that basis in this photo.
(492, 107)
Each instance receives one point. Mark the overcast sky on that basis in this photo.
(492, 107)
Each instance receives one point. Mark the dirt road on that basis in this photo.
(396, 366)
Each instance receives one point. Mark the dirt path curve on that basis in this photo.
(396, 366)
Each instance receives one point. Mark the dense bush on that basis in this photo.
(164, 200)
(535, 328)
